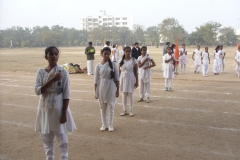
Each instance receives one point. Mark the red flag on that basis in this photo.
(176, 53)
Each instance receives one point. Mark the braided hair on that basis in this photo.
(122, 61)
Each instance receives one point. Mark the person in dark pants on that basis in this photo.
(90, 51)
(136, 52)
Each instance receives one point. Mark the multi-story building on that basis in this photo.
(90, 22)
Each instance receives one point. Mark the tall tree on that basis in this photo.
(152, 35)
(227, 36)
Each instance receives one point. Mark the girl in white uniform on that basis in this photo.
(115, 54)
(217, 60)
(183, 60)
(205, 62)
(237, 60)
(54, 118)
(106, 80)
(168, 72)
(145, 62)
(197, 54)
(128, 71)
(223, 60)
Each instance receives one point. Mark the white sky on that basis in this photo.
(68, 13)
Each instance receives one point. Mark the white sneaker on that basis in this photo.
(110, 128)
(148, 100)
(103, 128)
(140, 100)
(123, 114)
(131, 114)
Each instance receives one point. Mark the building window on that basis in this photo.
(124, 18)
(109, 23)
(89, 19)
(117, 19)
(100, 21)
(99, 17)
(110, 19)
(104, 24)
(124, 23)
(117, 24)
(104, 19)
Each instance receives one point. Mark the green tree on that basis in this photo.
(227, 36)
(152, 34)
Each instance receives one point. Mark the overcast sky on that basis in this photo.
(68, 13)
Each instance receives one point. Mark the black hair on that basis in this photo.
(206, 47)
(90, 43)
(143, 48)
(114, 45)
(221, 45)
(169, 48)
(167, 43)
(183, 44)
(218, 46)
(122, 61)
(172, 47)
(198, 45)
(107, 43)
(48, 50)
(109, 60)
(136, 43)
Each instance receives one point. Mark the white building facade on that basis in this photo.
(90, 22)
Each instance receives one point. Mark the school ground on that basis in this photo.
(198, 120)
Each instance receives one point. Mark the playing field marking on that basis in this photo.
(76, 134)
(164, 123)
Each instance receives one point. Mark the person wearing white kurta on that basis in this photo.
(106, 88)
(217, 60)
(128, 80)
(168, 72)
(145, 62)
(223, 60)
(205, 62)
(115, 53)
(54, 118)
(197, 54)
(183, 59)
(237, 60)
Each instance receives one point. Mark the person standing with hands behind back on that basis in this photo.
(168, 72)
(145, 62)
(54, 118)
(106, 80)
(90, 51)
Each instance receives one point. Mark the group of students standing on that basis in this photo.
(133, 69)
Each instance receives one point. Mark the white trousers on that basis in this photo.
(168, 82)
(216, 66)
(238, 70)
(144, 89)
(48, 144)
(197, 68)
(90, 66)
(126, 95)
(205, 69)
(103, 110)
(183, 68)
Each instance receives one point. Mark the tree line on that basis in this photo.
(210, 33)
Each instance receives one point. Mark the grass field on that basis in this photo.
(199, 120)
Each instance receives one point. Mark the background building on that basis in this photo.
(90, 22)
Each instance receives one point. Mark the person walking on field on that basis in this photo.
(115, 53)
(128, 71)
(106, 80)
(54, 118)
(196, 56)
(223, 60)
(90, 51)
(217, 60)
(168, 72)
(183, 59)
(237, 60)
(136, 52)
(205, 62)
(145, 63)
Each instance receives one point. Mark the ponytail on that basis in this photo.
(122, 61)
(111, 66)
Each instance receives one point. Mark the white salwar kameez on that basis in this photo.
(90, 67)
(183, 59)
(127, 81)
(49, 112)
(237, 58)
(106, 90)
(197, 60)
(205, 63)
(144, 77)
(168, 72)
(217, 62)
